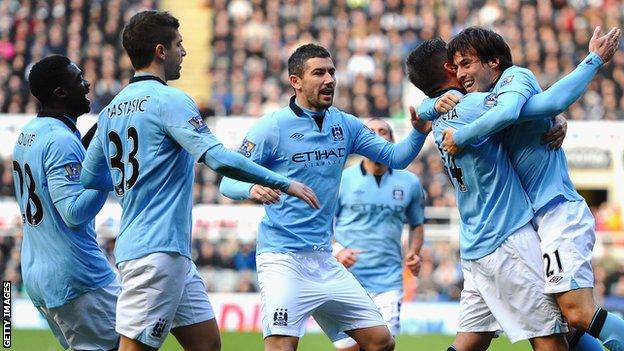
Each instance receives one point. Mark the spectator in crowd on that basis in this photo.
(370, 41)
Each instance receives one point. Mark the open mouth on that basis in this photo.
(327, 92)
(468, 84)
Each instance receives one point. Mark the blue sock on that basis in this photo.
(609, 329)
(587, 343)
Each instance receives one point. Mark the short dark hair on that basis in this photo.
(144, 31)
(425, 66)
(390, 131)
(296, 61)
(47, 75)
(486, 44)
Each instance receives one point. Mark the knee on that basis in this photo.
(209, 345)
(578, 316)
(386, 345)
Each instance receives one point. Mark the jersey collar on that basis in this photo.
(297, 109)
(70, 123)
(146, 77)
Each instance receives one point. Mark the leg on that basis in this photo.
(472, 341)
(194, 325)
(346, 344)
(578, 307)
(373, 338)
(202, 336)
(555, 342)
(127, 344)
(280, 343)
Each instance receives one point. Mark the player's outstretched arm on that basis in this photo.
(238, 190)
(236, 166)
(568, 89)
(431, 108)
(399, 155)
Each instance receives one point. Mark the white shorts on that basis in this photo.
(87, 322)
(389, 305)
(295, 286)
(161, 291)
(567, 234)
(505, 290)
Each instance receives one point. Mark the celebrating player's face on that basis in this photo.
(474, 74)
(318, 83)
(77, 89)
(173, 58)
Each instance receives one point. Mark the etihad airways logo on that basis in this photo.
(319, 155)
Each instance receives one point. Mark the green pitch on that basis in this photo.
(43, 340)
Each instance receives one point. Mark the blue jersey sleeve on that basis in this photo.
(63, 167)
(95, 173)
(426, 110)
(515, 89)
(368, 144)
(564, 92)
(258, 146)
(416, 210)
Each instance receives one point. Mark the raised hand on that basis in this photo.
(606, 45)
(419, 124)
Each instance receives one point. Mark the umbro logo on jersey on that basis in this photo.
(337, 133)
(296, 136)
(159, 328)
(280, 317)
(556, 279)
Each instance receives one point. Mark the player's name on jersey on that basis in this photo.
(26, 139)
(127, 107)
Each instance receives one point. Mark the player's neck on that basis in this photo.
(374, 168)
(52, 110)
(154, 70)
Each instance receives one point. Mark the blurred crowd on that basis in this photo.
(370, 39)
(88, 32)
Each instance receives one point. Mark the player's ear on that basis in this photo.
(159, 52)
(450, 68)
(59, 92)
(494, 63)
(295, 82)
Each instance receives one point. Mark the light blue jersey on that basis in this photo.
(542, 171)
(147, 142)
(290, 142)
(370, 216)
(61, 259)
(492, 204)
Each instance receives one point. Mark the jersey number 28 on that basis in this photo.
(34, 208)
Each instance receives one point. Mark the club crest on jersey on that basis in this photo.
(296, 136)
(397, 194)
(337, 133)
(490, 100)
(159, 328)
(246, 148)
(280, 317)
(73, 171)
(507, 80)
(198, 123)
